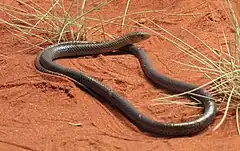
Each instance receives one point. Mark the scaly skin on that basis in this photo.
(44, 62)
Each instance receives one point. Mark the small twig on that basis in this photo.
(237, 119)
(75, 124)
(125, 13)
(226, 111)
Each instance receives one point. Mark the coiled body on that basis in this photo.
(44, 63)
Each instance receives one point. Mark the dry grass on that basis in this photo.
(54, 25)
(60, 23)
(222, 71)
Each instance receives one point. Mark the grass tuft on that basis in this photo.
(222, 68)
(56, 24)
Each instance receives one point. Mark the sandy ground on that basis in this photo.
(35, 108)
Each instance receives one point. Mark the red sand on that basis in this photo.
(35, 108)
